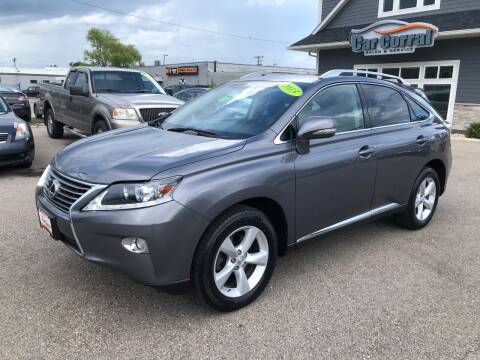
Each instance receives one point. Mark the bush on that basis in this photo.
(473, 131)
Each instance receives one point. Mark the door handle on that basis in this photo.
(421, 140)
(366, 151)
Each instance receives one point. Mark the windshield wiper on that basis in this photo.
(198, 131)
(158, 121)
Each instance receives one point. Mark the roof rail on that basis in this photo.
(354, 72)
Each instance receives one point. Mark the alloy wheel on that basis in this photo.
(425, 199)
(241, 261)
(50, 123)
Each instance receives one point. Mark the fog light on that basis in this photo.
(135, 245)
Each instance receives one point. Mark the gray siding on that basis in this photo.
(358, 12)
(465, 50)
(328, 5)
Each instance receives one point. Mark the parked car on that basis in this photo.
(173, 89)
(94, 100)
(215, 191)
(190, 94)
(16, 138)
(17, 101)
(32, 91)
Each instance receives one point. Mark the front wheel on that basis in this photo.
(423, 201)
(235, 259)
(100, 127)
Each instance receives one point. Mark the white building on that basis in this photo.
(25, 77)
(208, 72)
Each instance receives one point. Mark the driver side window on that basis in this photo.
(340, 102)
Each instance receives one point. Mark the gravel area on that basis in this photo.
(371, 291)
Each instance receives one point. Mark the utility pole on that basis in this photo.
(15, 63)
(164, 57)
(259, 60)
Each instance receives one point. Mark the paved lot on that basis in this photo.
(369, 291)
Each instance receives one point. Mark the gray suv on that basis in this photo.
(214, 192)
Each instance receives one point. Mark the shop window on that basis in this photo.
(400, 7)
(431, 72)
(410, 72)
(33, 81)
(439, 96)
(391, 71)
(446, 72)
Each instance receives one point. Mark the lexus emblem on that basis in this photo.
(53, 188)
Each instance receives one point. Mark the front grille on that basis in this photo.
(3, 137)
(149, 114)
(63, 191)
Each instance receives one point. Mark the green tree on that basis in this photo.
(107, 50)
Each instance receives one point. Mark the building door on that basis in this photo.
(438, 79)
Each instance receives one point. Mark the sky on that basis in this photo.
(52, 32)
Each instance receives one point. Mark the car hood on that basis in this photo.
(148, 100)
(137, 154)
(7, 122)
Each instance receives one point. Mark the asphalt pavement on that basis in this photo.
(371, 291)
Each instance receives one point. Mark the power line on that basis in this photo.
(245, 37)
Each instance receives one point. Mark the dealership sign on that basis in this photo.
(181, 70)
(393, 37)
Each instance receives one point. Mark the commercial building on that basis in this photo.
(434, 44)
(208, 72)
(25, 77)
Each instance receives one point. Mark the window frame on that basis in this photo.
(420, 7)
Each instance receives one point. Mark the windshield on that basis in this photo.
(237, 110)
(124, 82)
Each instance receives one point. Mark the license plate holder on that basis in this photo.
(45, 222)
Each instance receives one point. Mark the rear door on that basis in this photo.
(401, 139)
(336, 179)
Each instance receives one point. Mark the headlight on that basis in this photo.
(42, 179)
(124, 114)
(22, 131)
(134, 196)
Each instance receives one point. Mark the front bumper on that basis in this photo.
(170, 230)
(17, 152)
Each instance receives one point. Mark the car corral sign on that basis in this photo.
(181, 70)
(393, 37)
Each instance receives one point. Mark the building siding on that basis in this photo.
(328, 6)
(366, 11)
(465, 50)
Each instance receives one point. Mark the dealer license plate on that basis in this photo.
(45, 221)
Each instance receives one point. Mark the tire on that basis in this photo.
(100, 127)
(54, 128)
(422, 203)
(37, 113)
(210, 262)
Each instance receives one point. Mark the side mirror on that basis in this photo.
(78, 90)
(314, 127)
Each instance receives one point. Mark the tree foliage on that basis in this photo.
(107, 50)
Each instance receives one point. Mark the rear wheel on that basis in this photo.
(423, 200)
(54, 128)
(100, 127)
(235, 259)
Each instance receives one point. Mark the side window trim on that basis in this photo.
(409, 99)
